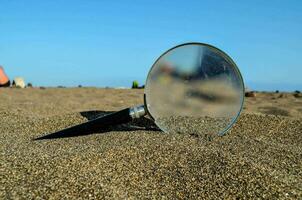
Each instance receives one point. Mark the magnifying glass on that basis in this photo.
(193, 88)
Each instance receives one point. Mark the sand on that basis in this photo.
(206, 127)
(260, 157)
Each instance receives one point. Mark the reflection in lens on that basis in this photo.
(194, 89)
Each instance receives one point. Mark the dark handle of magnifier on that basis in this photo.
(120, 117)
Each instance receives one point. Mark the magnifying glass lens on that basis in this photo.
(194, 89)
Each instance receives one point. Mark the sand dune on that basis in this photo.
(260, 157)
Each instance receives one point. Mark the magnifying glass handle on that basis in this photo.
(122, 116)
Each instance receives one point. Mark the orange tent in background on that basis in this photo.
(4, 81)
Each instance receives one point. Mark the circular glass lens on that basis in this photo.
(194, 89)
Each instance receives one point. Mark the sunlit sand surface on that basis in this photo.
(260, 157)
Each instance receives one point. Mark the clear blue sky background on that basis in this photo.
(111, 43)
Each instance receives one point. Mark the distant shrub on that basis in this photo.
(135, 85)
(277, 91)
(250, 94)
(297, 91)
(29, 85)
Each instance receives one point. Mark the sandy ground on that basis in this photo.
(260, 157)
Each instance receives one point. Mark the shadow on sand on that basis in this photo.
(143, 123)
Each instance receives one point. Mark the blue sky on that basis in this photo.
(111, 43)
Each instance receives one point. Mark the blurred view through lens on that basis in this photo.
(194, 89)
